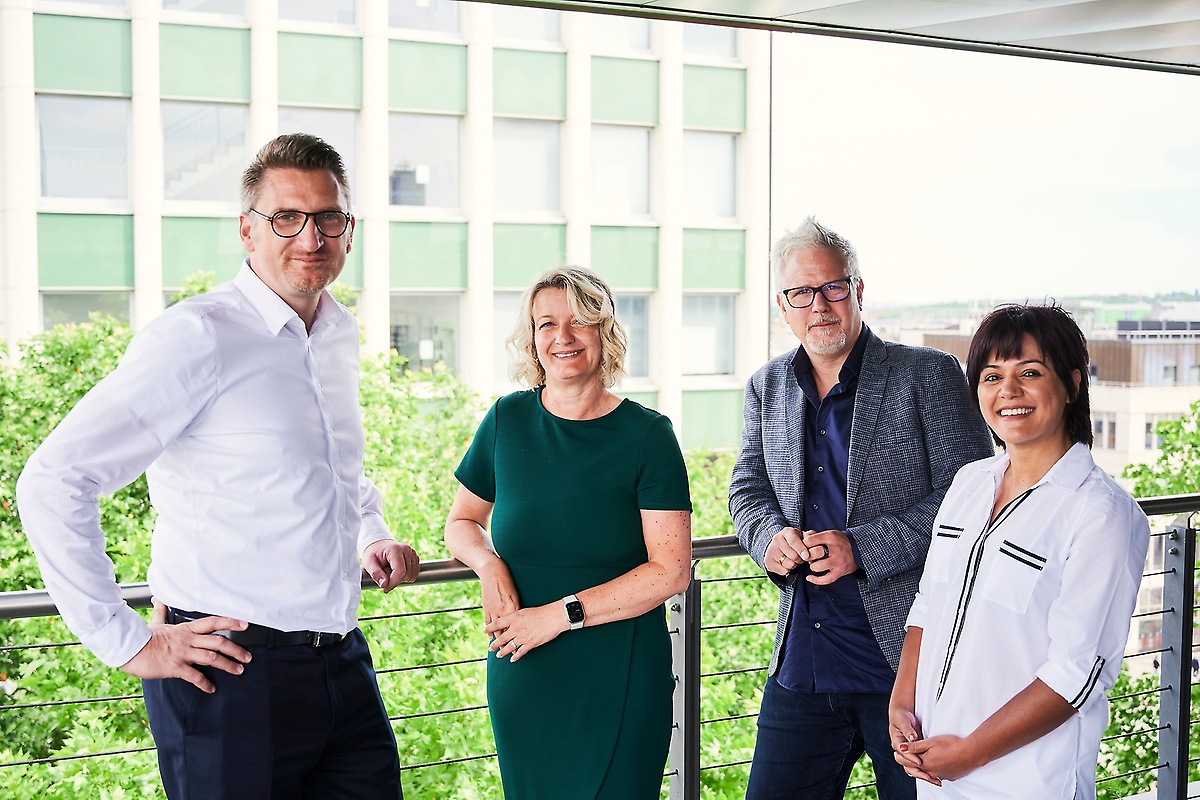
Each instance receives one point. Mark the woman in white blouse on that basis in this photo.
(1020, 622)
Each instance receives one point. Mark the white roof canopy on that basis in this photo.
(1161, 35)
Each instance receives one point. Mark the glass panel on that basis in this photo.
(710, 174)
(424, 15)
(204, 150)
(709, 331)
(538, 24)
(504, 319)
(234, 7)
(338, 12)
(121, 4)
(633, 312)
(617, 33)
(84, 146)
(75, 308)
(620, 170)
(424, 160)
(425, 329)
(527, 165)
(709, 40)
(338, 128)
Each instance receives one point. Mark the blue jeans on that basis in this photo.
(808, 744)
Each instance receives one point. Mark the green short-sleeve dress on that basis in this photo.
(587, 715)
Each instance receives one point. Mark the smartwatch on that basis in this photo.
(574, 610)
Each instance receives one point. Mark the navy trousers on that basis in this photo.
(808, 744)
(300, 722)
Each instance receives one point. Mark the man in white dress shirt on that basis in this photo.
(241, 405)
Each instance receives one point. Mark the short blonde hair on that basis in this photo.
(591, 302)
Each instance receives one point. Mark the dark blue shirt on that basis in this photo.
(829, 645)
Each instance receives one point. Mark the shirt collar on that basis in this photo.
(1069, 472)
(848, 374)
(274, 311)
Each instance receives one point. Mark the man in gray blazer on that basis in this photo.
(849, 446)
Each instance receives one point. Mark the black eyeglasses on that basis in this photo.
(833, 292)
(287, 224)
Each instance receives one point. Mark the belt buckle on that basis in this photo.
(321, 638)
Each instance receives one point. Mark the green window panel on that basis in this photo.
(714, 97)
(714, 259)
(429, 255)
(427, 77)
(627, 258)
(522, 252)
(81, 54)
(188, 69)
(624, 90)
(85, 250)
(337, 82)
(712, 418)
(529, 84)
(200, 244)
(352, 271)
(648, 399)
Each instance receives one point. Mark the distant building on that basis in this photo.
(485, 144)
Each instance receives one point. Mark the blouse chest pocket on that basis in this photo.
(946, 541)
(1013, 575)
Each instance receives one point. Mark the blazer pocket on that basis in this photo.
(1013, 576)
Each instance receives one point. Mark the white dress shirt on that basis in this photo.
(1045, 591)
(248, 428)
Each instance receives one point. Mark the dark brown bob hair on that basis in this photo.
(1063, 347)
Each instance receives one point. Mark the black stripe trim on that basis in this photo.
(1090, 684)
(964, 598)
(949, 535)
(1029, 553)
(950, 528)
(1021, 559)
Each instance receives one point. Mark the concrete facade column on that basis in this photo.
(754, 205)
(476, 354)
(666, 317)
(263, 124)
(372, 203)
(19, 184)
(577, 135)
(146, 163)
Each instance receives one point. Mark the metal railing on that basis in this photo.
(689, 628)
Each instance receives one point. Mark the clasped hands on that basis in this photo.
(792, 547)
(933, 760)
(512, 630)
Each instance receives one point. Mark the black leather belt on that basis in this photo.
(261, 635)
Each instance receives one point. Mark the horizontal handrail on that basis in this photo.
(37, 602)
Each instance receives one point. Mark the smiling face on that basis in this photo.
(298, 268)
(828, 330)
(567, 349)
(1023, 401)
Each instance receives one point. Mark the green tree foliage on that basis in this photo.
(1177, 470)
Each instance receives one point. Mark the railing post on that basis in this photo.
(1175, 671)
(685, 736)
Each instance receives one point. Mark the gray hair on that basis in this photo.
(591, 302)
(811, 234)
(293, 151)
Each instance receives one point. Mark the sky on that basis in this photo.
(967, 176)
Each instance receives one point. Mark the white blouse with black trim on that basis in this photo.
(1045, 590)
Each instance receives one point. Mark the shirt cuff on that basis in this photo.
(121, 639)
(374, 529)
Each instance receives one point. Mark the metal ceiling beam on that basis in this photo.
(779, 25)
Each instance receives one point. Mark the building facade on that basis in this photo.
(485, 143)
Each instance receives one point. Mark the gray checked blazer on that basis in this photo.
(913, 427)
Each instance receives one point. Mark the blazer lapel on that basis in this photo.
(868, 399)
(794, 413)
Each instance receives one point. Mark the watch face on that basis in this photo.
(574, 611)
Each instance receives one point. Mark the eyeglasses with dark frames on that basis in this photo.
(288, 224)
(833, 292)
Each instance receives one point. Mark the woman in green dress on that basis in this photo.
(588, 504)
